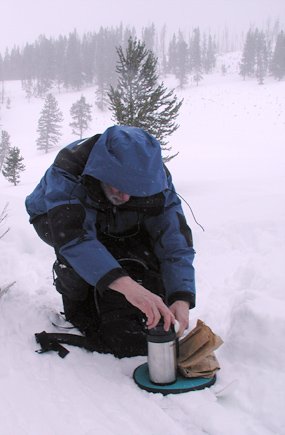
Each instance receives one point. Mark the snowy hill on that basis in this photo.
(230, 168)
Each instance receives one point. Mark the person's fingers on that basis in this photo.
(168, 317)
(155, 317)
(155, 310)
(180, 331)
(149, 312)
(153, 307)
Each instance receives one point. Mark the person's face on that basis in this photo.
(114, 195)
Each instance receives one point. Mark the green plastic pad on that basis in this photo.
(181, 385)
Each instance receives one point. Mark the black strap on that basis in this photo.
(52, 341)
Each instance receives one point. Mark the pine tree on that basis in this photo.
(162, 51)
(4, 146)
(49, 124)
(196, 57)
(210, 60)
(101, 96)
(278, 59)
(73, 61)
(148, 37)
(81, 114)
(105, 65)
(13, 166)
(28, 87)
(204, 54)
(172, 55)
(139, 100)
(182, 61)
(261, 57)
(247, 65)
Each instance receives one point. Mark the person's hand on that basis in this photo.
(150, 304)
(180, 309)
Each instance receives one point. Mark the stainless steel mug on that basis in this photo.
(162, 355)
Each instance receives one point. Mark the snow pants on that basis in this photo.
(108, 319)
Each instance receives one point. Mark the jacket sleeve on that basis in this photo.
(74, 232)
(173, 247)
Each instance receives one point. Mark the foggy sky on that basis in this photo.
(24, 20)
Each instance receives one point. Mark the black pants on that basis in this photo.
(109, 320)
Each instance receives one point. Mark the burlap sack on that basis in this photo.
(196, 352)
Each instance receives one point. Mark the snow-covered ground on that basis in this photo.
(230, 168)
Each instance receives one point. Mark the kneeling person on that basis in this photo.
(124, 251)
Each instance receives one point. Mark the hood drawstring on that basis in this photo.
(188, 205)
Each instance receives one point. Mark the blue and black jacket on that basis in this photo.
(70, 194)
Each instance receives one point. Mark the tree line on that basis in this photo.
(73, 62)
(138, 99)
(261, 56)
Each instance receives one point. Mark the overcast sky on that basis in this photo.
(24, 20)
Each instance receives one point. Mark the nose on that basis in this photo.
(123, 196)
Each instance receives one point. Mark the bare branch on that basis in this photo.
(3, 216)
(5, 289)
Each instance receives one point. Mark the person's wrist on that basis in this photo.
(182, 303)
(121, 285)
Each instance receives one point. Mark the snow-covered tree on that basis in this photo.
(182, 59)
(73, 60)
(28, 87)
(148, 37)
(278, 58)
(81, 114)
(162, 51)
(261, 57)
(209, 58)
(196, 56)
(49, 124)
(13, 165)
(105, 65)
(172, 55)
(139, 100)
(4, 146)
(247, 65)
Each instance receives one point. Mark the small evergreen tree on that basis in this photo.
(139, 100)
(261, 57)
(224, 69)
(247, 65)
(73, 61)
(172, 55)
(13, 166)
(81, 114)
(4, 146)
(28, 87)
(49, 124)
(210, 58)
(101, 96)
(278, 59)
(182, 61)
(148, 37)
(196, 57)
(105, 65)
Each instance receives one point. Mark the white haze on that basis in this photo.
(24, 21)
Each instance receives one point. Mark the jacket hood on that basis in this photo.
(129, 159)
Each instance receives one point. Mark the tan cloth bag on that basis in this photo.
(196, 352)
